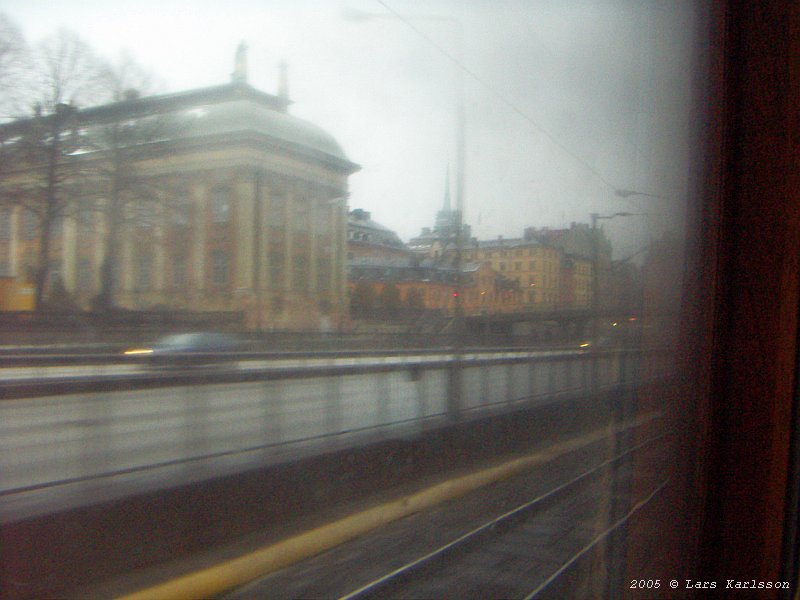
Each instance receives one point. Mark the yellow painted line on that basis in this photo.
(236, 572)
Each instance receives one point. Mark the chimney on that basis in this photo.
(283, 84)
(359, 214)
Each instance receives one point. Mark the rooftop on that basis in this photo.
(233, 108)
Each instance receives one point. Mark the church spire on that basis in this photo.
(446, 207)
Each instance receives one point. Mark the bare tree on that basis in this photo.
(64, 72)
(14, 67)
(128, 196)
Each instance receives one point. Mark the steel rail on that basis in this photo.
(599, 538)
(409, 569)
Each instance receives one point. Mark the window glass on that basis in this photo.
(448, 237)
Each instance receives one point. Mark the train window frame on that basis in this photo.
(737, 404)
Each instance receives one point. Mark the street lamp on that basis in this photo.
(623, 193)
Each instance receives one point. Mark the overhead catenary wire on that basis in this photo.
(506, 101)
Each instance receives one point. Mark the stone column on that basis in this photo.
(125, 260)
(313, 227)
(160, 260)
(14, 228)
(69, 254)
(244, 236)
(340, 240)
(288, 254)
(198, 259)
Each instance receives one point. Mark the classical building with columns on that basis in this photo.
(250, 212)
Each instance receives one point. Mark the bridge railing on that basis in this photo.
(150, 429)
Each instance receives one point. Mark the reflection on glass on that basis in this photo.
(448, 238)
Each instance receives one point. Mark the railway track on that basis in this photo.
(519, 539)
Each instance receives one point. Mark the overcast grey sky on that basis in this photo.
(565, 99)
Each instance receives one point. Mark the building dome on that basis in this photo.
(245, 115)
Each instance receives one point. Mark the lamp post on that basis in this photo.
(623, 403)
(596, 268)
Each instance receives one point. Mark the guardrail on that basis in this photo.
(113, 353)
(61, 374)
(157, 427)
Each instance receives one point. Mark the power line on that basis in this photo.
(500, 96)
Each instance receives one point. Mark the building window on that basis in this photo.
(29, 267)
(85, 217)
(300, 217)
(84, 275)
(276, 215)
(179, 270)
(276, 269)
(299, 274)
(144, 273)
(5, 263)
(57, 226)
(31, 225)
(5, 224)
(323, 274)
(182, 210)
(219, 268)
(221, 205)
(54, 273)
(116, 276)
(143, 215)
(324, 220)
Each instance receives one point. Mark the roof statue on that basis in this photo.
(240, 64)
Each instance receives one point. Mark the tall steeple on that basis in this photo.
(446, 207)
(240, 64)
(445, 218)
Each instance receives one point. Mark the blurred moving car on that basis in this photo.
(188, 349)
(602, 342)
